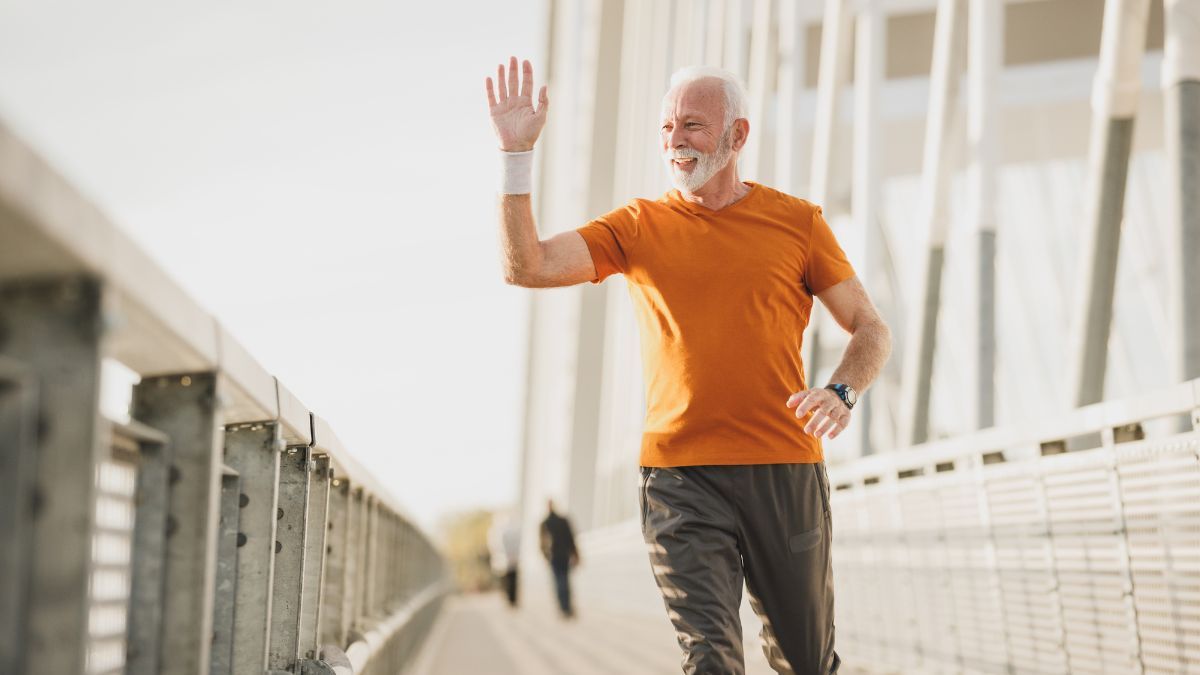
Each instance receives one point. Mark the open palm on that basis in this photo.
(514, 118)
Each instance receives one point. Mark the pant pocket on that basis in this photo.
(643, 508)
(805, 541)
(822, 485)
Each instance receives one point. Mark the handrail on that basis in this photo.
(277, 539)
(1179, 399)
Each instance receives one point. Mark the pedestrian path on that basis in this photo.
(479, 634)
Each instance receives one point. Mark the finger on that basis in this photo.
(513, 84)
(500, 83)
(828, 424)
(491, 94)
(795, 399)
(527, 76)
(818, 417)
(810, 403)
(543, 101)
(841, 426)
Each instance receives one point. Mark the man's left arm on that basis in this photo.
(864, 358)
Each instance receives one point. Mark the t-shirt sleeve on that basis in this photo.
(827, 264)
(609, 239)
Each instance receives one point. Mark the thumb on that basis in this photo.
(795, 399)
(543, 101)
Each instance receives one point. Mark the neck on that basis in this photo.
(723, 189)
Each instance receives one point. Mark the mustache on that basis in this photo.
(683, 153)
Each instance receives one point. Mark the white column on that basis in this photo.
(834, 71)
(985, 51)
(790, 85)
(940, 132)
(870, 47)
(761, 81)
(1181, 93)
(1114, 104)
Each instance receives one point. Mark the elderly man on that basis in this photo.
(722, 273)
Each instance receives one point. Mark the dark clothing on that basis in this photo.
(558, 545)
(509, 580)
(562, 587)
(710, 527)
(558, 541)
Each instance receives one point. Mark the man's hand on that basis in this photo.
(516, 122)
(829, 414)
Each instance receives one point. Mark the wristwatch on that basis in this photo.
(846, 393)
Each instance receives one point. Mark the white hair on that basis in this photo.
(735, 96)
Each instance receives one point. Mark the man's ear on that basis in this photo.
(741, 132)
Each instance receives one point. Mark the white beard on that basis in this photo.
(707, 164)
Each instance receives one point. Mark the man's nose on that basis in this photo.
(675, 138)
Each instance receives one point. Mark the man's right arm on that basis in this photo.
(562, 260)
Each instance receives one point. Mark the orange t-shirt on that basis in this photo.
(722, 299)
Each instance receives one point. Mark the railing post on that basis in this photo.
(55, 327)
(252, 449)
(353, 572)
(18, 452)
(185, 408)
(314, 557)
(225, 589)
(334, 587)
(148, 560)
(290, 535)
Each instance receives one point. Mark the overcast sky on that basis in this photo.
(320, 177)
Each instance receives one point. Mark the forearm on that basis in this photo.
(519, 243)
(869, 348)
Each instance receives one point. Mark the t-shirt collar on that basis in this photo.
(676, 197)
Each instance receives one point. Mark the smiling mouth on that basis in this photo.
(682, 162)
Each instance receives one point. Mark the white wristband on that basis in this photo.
(516, 172)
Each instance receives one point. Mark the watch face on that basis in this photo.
(851, 395)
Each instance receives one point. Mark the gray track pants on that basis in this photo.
(708, 527)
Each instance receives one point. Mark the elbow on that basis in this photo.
(885, 339)
(515, 276)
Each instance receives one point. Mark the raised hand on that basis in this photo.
(514, 118)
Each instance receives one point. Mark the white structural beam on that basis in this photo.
(1181, 106)
(762, 62)
(870, 51)
(940, 132)
(834, 71)
(790, 85)
(985, 40)
(1114, 104)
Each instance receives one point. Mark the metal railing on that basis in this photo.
(224, 529)
(1069, 548)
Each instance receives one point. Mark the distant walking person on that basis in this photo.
(723, 274)
(504, 545)
(558, 545)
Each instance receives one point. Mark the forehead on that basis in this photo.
(700, 98)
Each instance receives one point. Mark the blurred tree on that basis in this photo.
(464, 537)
